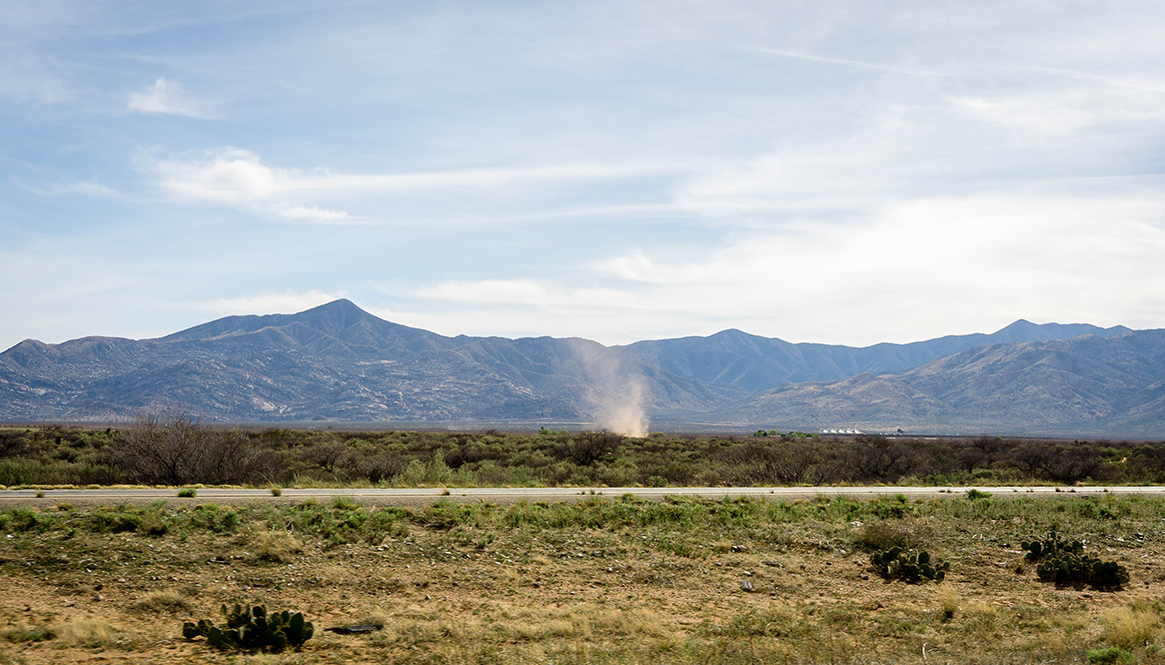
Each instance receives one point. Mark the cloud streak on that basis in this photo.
(165, 97)
(857, 64)
(238, 177)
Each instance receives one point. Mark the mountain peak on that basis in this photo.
(337, 305)
(334, 316)
(329, 318)
(1024, 330)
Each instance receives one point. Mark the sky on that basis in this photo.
(839, 172)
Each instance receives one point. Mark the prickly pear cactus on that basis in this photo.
(253, 629)
(1051, 546)
(1071, 568)
(1064, 562)
(909, 565)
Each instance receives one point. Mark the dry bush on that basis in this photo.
(167, 601)
(878, 536)
(273, 545)
(91, 634)
(948, 603)
(1130, 627)
(165, 447)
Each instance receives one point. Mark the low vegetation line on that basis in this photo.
(176, 450)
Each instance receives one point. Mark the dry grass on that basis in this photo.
(1130, 627)
(607, 582)
(90, 634)
(271, 545)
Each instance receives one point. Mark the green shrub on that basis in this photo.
(187, 493)
(1109, 655)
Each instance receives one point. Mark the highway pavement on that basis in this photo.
(508, 495)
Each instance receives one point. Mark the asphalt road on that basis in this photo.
(507, 495)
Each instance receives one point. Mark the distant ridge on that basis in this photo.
(735, 358)
(1090, 384)
(338, 363)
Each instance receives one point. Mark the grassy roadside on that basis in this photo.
(608, 580)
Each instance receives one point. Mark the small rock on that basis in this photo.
(746, 585)
(428, 597)
(739, 548)
(98, 597)
(773, 564)
(537, 585)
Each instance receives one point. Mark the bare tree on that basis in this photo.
(166, 447)
(590, 447)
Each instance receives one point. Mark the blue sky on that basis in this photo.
(844, 172)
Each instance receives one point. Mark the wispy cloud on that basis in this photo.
(1115, 81)
(528, 293)
(859, 64)
(1026, 113)
(285, 302)
(238, 177)
(89, 187)
(93, 188)
(166, 97)
(23, 77)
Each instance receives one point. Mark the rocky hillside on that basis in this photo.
(1107, 386)
(338, 363)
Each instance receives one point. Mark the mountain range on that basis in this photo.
(339, 364)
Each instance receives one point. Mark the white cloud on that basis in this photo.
(93, 188)
(929, 265)
(286, 302)
(1026, 114)
(528, 293)
(89, 187)
(238, 177)
(859, 64)
(165, 98)
(312, 214)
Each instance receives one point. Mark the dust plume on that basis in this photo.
(617, 389)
